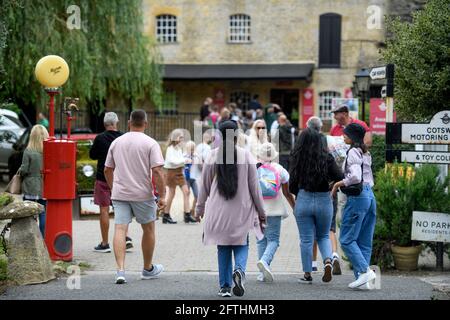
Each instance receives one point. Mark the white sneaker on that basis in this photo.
(265, 270)
(155, 273)
(363, 278)
(260, 277)
(367, 286)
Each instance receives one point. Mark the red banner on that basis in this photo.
(378, 116)
(219, 97)
(307, 105)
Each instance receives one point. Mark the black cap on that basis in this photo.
(340, 108)
(356, 132)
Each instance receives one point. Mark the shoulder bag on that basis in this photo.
(354, 189)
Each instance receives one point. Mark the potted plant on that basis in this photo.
(395, 204)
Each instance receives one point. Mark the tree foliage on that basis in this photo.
(109, 55)
(421, 53)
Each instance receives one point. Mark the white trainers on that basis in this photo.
(260, 277)
(367, 286)
(120, 277)
(265, 270)
(154, 273)
(363, 279)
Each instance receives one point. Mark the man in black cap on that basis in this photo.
(342, 116)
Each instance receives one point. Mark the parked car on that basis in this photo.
(11, 129)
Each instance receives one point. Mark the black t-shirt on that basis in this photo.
(99, 150)
(334, 173)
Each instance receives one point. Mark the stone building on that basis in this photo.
(297, 53)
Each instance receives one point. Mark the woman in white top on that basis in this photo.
(257, 136)
(174, 164)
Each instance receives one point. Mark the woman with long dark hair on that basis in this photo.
(359, 216)
(231, 203)
(312, 169)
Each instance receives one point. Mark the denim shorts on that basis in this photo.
(143, 211)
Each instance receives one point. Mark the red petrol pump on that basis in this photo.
(59, 166)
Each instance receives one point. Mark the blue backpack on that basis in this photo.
(269, 181)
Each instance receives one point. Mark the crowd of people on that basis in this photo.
(241, 182)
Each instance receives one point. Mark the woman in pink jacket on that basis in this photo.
(231, 203)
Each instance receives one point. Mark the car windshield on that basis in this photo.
(15, 120)
(7, 122)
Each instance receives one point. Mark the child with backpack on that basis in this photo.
(274, 183)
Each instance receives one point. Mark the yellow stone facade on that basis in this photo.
(282, 31)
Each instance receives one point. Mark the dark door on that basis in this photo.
(287, 99)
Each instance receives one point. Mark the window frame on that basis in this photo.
(246, 97)
(169, 31)
(330, 40)
(239, 29)
(325, 115)
(169, 107)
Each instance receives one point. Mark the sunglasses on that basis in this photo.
(260, 127)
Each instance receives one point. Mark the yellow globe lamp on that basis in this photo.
(52, 71)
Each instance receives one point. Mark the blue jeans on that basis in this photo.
(224, 254)
(313, 213)
(357, 228)
(42, 215)
(193, 184)
(271, 241)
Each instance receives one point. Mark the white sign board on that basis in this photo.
(378, 73)
(426, 157)
(87, 206)
(430, 226)
(435, 132)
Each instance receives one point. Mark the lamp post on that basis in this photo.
(355, 92)
(59, 166)
(362, 80)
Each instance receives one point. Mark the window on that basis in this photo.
(325, 104)
(169, 102)
(330, 41)
(239, 29)
(241, 98)
(166, 28)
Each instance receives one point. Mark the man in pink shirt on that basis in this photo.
(132, 160)
(341, 115)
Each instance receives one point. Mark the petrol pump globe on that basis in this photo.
(52, 71)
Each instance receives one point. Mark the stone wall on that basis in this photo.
(281, 30)
(404, 8)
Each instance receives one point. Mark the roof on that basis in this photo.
(292, 71)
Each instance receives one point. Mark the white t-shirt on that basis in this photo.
(276, 206)
(174, 158)
(202, 151)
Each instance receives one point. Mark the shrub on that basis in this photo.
(401, 189)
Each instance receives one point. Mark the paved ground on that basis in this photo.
(203, 286)
(191, 270)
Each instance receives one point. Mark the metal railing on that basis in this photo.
(159, 124)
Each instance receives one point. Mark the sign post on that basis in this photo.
(432, 227)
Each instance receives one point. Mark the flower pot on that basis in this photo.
(406, 258)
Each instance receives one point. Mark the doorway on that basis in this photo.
(287, 99)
